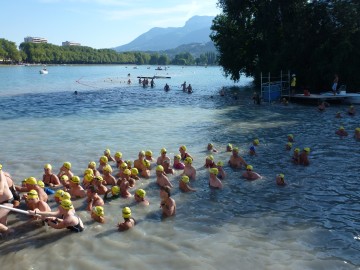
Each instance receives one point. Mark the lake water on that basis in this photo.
(312, 223)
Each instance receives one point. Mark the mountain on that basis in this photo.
(196, 30)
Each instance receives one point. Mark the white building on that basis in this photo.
(70, 43)
(35, 39)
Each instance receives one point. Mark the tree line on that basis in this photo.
(46, 53)
(314, 39)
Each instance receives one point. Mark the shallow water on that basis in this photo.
(312, 223)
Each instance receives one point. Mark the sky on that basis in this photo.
(95, 23)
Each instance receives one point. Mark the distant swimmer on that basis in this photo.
(140, 197)
(167, 204)
(184, 86)
(189, 89)
(280, 180)
(296, 156)
(290, 138)
(98, 214)
(152, 83)
(250, 174)
(229, 147)
(167, 87)
(184, 184)
(210, 147)
(236, 161)
(214, 181)
(129, 222)
(304, 157)
(351, 110)
(341, 132)
(288, 146)
(357, 134)
(338, 115)
(256, 98)
(75, 92)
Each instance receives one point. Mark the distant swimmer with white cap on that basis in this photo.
(250, 174)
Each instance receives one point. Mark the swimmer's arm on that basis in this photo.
(56, 223)
(43, 213)
(2, 182)
(21, 189)
(122, 226)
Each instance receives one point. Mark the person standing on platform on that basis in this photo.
(335, 83)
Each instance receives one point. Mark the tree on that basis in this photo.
(315, 39)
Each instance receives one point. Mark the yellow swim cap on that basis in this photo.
(188, 160)
(356, 129)
(92, 164)
(148, 153)
(123, 165)
(127, 172)
(291, 136)
(163, 150)
(289, 144)
(99, 211)
(65, 196)
(67, 165)
(118, 154)
(307, 149)
(141, 193)
(159, 168)
(126, 212)
(297, 150)
(66, 204)
(281, 175)
(236, 149)
(134, 171)
(178, 157)
(104, 159)
(341, 128)
(183, 147)
(75, 179)
(88, 177)
(147, 163)
(142, 153)
(211, 157)
(59, 193)
(129, 163)
(31, 181)
(210, 144)
(256, 142)
(0, 167)
(107, 152)
(107, 168)
(115, 190)
(32, 194)
(99, 178)
(48, 166)
(64, 178)
(220, 164)
(185, 179)
(214, 171)
(88, 171)
(41, 184)
(230, 145)
(249, 167)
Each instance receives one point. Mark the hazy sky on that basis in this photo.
(95, 23)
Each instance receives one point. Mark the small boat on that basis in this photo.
(348, 98)
(158, 68)
(44, 71)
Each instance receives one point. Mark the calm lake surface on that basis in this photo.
(312, 223)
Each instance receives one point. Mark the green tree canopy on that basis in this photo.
(314, 39)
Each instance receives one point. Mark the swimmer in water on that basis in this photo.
(229, 147)
(357, 134)
(183, 153)
(341, 132)
(214, 181)
(250, 174)
(109, 179)
(107, 154)
(338, 115)
(184, 184)
(65, 170)
(209, 162)
(34, 203)
(290, 138)
(210, 147)
(296, 156)
(93, 198)
(49, 178)
(178, 165)
(129, 222)
(189, 170)
(288, 146)
(103, 162)
(280, 180)
(98, 214)
(140, 165)
(351, 110)
(167, 204)
(140, 197)
(304, 157)
(115, 193)
(161, 178)
(118, 159)
(76, 191)
(236, 161)
(31, 183)
(219, 166)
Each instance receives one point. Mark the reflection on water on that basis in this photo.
(312, 223)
